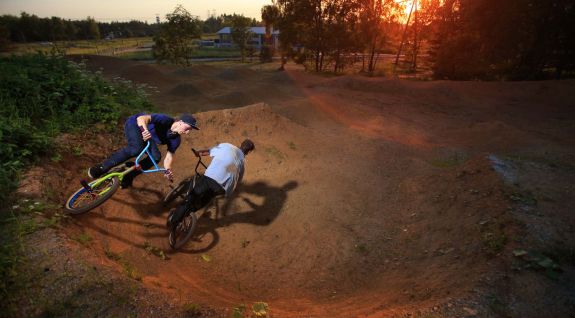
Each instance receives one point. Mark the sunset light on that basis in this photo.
(287, 158)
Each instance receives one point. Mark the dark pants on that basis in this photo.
(135, 145)
(205, 190)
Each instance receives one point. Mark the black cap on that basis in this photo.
(190, 120)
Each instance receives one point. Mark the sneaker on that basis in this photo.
(96, 171)
(126, 182)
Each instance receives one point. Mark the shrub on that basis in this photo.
(43, 95)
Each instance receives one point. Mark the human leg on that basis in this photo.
(133, 148)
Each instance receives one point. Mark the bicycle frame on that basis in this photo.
(120, 175)
(193, 181)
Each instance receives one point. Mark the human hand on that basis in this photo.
(146, 135)
(169, 175)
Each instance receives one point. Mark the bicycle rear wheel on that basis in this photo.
(83, 201)
(181, 233)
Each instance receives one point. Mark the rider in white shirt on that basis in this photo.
(221, 177)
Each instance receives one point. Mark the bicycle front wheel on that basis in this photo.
(178, 191)
(180, 234)
(83, 200)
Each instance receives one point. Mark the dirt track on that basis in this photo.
(365, 197)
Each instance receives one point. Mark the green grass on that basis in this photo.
(449, 161)
(83, 238)
(197, 53)
(106, 47)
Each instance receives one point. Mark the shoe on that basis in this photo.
(126, 182)
(96, 171)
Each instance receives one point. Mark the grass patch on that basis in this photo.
(192, 310)
(105, 47)
(452, 160)
(238, 311)
(10, 260)
(525, 198)
(497, 306)
(146, 55)
(129, 269)
(275, 153)
(493, 238)
(83, 238)
(154, 250)
(111, 254)
(260, 309)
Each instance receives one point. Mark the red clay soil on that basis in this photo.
(365, 197)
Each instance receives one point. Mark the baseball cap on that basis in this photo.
(190, 120)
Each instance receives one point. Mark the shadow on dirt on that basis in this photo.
(260, 215)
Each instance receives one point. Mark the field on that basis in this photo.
(365, 197)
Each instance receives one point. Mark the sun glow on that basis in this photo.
(405, 7)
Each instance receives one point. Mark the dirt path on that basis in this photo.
(365, 197)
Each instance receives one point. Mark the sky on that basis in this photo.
(125, 10)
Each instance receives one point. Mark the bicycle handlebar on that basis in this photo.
(199, 160)
(146, 150)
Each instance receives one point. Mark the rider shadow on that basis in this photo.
(145, 208)
(260, 214)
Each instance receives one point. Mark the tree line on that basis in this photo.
(31, 28)
(466, 39)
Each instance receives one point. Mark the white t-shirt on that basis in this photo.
(227, 166)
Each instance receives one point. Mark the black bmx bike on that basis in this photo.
(181, 232)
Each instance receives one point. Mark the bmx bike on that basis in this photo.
(181, 232)
(93, 194)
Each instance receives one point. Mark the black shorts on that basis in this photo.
(204, 191)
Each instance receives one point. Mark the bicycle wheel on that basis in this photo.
(180, 234)
(83, 201)
(178, 191)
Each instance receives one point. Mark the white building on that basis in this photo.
(257, 40)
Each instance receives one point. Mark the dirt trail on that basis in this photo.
(365, 197)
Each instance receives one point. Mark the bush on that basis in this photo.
(42, 95)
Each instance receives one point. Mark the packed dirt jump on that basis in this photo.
(365, 197)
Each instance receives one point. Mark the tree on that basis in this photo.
(4, 38)
(174, 40)
(241, 34)
(270, 15)
(374, 16)
(93, 31)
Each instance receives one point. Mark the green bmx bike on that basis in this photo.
(94, 193)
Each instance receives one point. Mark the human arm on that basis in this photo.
(202, 152)
(143, 121)
(168, 165)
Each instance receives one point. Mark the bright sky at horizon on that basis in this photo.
(125, 10)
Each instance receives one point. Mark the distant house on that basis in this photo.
(257, 40)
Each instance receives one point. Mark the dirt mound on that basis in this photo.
(143, 73)
(185, 90)
(233, 74)
(233, 99)
(109, 65)
(363, 84)
(195, 71)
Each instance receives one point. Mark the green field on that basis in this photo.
(100, 47)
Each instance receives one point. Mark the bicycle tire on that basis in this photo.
(181, 234)
(177, 191)
(82, 201)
